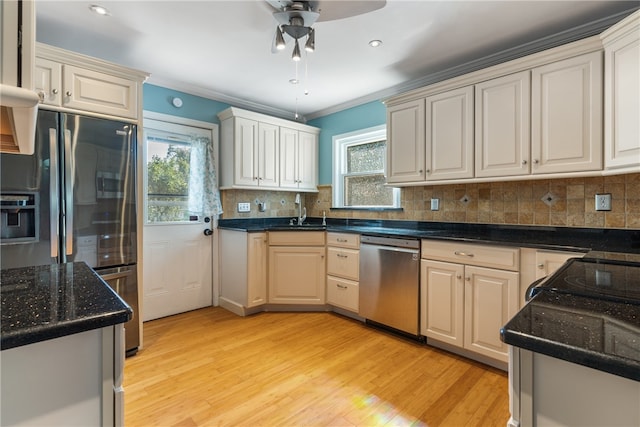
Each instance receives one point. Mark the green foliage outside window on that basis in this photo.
(168, 185)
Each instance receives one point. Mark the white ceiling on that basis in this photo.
(222, 49)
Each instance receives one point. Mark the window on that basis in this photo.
(179, 175)
(358, 165)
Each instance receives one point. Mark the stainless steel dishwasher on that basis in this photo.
(389, 282)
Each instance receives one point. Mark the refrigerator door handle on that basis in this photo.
(69, 177)
(53, 193)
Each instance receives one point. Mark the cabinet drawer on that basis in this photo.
(342, 293)
(343, 262)
(472, 254)
(296, 238)
(343, 240)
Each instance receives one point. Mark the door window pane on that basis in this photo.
(168, 167)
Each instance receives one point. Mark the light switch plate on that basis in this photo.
(244, 207)
(603, 202)
(435, 204)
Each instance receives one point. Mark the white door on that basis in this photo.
(178, 258)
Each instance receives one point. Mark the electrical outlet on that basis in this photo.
(244, 207)
(603, 202)
(435, 204)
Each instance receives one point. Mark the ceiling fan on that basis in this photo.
(296, 17)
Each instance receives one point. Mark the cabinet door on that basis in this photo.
(405, 142)
(257, 269)
(288, 158)
(503, 126)
(491, 299)
(47, 79)
(307, 161)
(246, 152)
(94, 91)
(548, 262)
(449, 134)
(622, 102)
(566, 115)
(442, 299)
(268, 156)
(296, 275)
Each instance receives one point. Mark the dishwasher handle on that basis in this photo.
(415, 252)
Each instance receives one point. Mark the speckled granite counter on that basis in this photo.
(50, 301)
(542, 237)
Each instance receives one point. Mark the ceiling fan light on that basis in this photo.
(296, 52)
(280, 44)
(310, 46)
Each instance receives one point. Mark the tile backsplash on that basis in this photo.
(566, 202)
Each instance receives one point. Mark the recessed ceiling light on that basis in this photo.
(100, 10)
(375, 43)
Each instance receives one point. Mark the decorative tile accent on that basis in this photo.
(549, 199)
(465, 200)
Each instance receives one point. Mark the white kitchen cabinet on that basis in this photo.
(406, 142)
(243, 270)
(72, 81)
(256, 153)
(298, 160)
(449, 125)
(84, 386)
(259, 151)
(343, 270)
(621, 95)
(503, 131)
(297, 268)
(468, 292)
(566, 115)
(538, 263)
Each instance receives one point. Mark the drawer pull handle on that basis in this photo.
(342, 256)
(341, 286)
(341, 240)
(464, 254)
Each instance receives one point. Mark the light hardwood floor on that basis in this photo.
(210, 367)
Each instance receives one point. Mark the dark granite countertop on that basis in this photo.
(541, 237)
(603, 335)
(50, 301)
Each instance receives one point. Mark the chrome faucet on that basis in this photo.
(302, 212)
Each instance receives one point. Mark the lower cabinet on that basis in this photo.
(243, 270)
(343, 269)
(297, 271)
(465, 305)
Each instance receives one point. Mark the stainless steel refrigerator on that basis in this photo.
(74, 200)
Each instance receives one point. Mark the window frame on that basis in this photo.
(340, 145)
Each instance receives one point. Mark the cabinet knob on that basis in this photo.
(68, 93)
(459, 276)
(41, 96)
(468, 278)
(540, 266)
(55, 91)
(524, 162)
(536, 161)
(428, 171)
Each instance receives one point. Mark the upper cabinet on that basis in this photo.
(622, 100)
(70, 81)
(258, 151)
(405, 150)
(539, 116)
(449, 134)
(566, 115)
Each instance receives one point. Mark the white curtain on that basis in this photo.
(204, 196)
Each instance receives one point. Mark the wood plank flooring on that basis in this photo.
(210, 367)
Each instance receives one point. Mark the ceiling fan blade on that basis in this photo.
(331, 10)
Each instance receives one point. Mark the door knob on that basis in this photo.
(208, 232)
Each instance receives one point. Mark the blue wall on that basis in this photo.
(158, 99)
(355, 118)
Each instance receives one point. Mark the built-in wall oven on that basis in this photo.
(389, 282)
